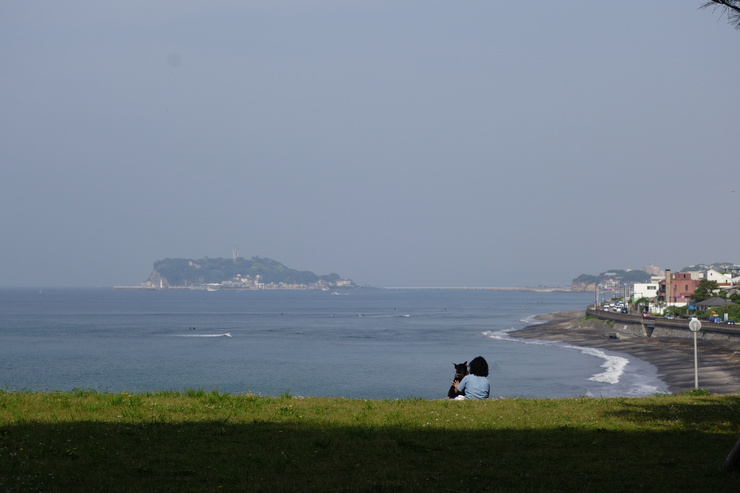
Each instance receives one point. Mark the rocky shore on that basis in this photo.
(719, 360)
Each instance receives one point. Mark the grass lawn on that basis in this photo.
(207, 441)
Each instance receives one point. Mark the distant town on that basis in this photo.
(704, 290)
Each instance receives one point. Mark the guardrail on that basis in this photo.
(678, 323)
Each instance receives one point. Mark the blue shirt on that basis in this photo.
(475, 387)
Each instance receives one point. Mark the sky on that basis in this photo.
(396, 143)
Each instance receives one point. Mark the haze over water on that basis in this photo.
(364, 343)
(397, 143)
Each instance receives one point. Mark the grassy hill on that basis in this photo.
(207, 441)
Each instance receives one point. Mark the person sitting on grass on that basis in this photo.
(476, 384)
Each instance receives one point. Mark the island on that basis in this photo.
(236, 273)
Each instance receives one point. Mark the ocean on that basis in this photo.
(359, 343)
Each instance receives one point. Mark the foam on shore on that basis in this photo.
(669, 358)
(621, 375)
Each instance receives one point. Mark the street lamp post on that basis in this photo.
(695, 326)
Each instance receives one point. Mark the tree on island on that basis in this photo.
(729, 7)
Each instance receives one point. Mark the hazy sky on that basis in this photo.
(397, 143)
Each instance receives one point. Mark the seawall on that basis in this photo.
(664, 327)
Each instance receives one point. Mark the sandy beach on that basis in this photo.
(719, 360)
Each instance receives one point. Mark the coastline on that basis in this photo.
(719, 360)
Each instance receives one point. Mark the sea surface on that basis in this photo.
(361, 343)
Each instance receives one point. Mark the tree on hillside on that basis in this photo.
(705, 290)
(729, 7)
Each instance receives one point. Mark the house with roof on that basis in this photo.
(723, 280)
(713, 302)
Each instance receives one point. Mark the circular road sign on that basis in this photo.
(695, 325)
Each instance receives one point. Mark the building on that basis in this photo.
(734, 282)
(677, 288)
(645, 290)
(722, 280)
(653, 270)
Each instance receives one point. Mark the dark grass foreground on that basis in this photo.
(206, 441)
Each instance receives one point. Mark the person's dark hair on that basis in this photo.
(479, 366)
